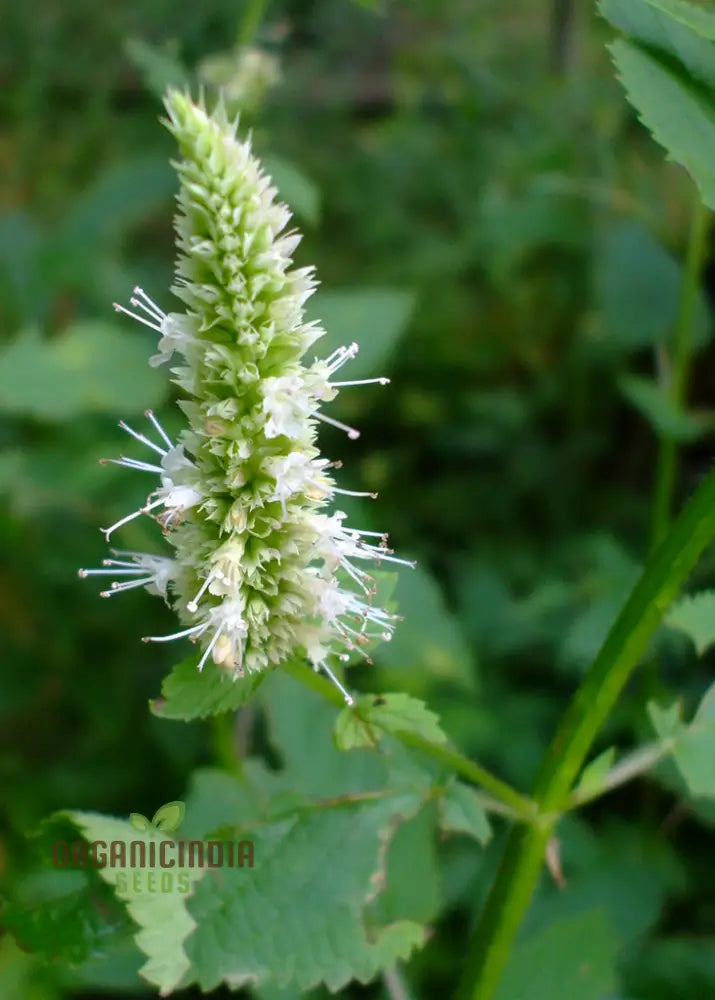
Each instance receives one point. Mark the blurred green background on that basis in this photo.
(492, 224)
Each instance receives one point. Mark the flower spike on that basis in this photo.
(259, 572)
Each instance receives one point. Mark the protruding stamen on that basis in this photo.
(349, 700)
(117, 588)
(132, 463)
(351, 432)
(338, 358)
(193, 605)
(125, 520)
(207, 651)
(148, 304)
(140, 437)
(83, 573)
(162, 432)
(139, 319)
(354, 493)
(361, 381)
(201, 627)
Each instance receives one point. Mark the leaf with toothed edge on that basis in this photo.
(310, 899)
(187, 693)
(361, 724)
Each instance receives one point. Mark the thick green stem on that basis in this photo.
(517, 804)
(680, 373)
(664, 575)
(252, 16)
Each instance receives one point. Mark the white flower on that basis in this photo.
(260, 572)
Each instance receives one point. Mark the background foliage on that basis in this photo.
(494, 225)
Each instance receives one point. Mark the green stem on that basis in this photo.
(666, 571)
(682, 358)
(225, 745)
(253, 13)
(518, 804)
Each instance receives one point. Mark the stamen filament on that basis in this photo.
(140, 437)
(351, 432)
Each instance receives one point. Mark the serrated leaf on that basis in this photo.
(653, 402)
(361, 724)
(462, 812)
(90, 368)
(680, 117)
(693, 746)
(187, 693)
(317, 931)
(374, 318)
(680, 30)
(168, 817)
(300, 193)
(160, 912)
(595, 773)
(570, 958)
(695, 616)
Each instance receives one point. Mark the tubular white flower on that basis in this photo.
(260, 572)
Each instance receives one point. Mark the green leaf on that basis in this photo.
(570, 958)
(462, 812)
(155, 899)
(638, 288)
(91, 368)
(360, 725)
(699, 19)
(679, 30)
(299, 721)
(653, 402)
(187, 693)
(430, 641)
(595, 773)
(168, 817)
(299, 192)
(693, 745)
(374, 318)
(680, 117)
(695, 616)
(412, 849)
(317, 931)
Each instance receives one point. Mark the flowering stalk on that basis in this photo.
(260, 572)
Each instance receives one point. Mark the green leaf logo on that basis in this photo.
(166, 819)
(139, 822)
